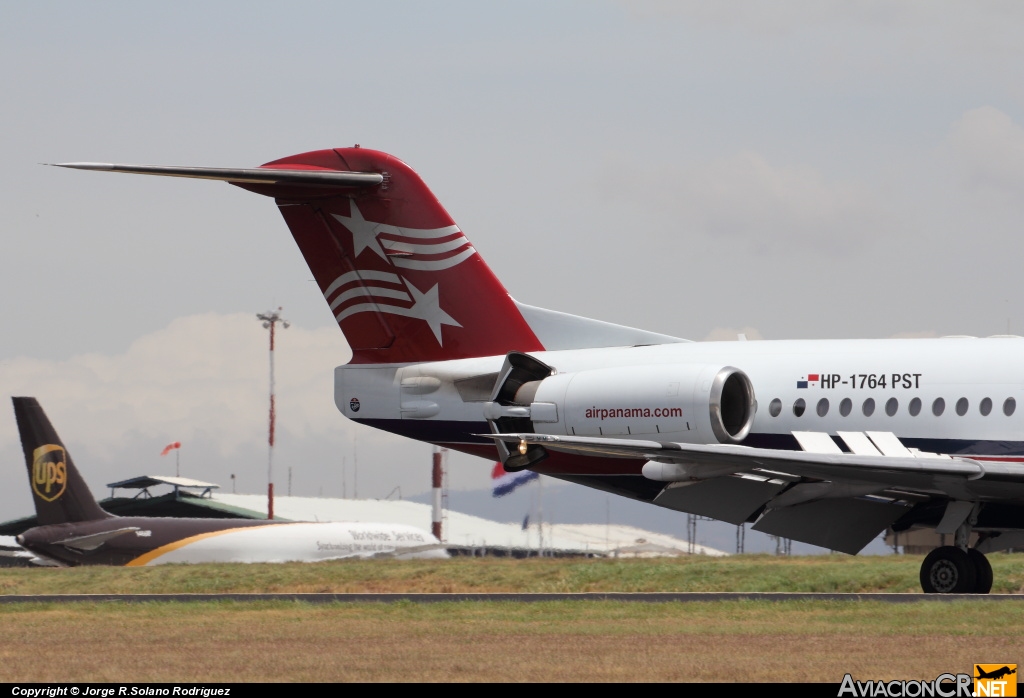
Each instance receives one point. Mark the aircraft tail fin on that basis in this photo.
(402, 280)
(58, 491)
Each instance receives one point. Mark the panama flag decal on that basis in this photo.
(805, 382)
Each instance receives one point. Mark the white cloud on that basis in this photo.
(203, 380)
(989, 147)
(746, 197)
(204, 372)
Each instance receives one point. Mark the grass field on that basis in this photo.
(812, 573)
(558, 641)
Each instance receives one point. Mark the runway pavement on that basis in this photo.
(641, 597)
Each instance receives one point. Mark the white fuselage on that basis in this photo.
(299, 542)
(890, 385)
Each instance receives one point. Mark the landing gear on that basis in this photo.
(982, 571)
(957, 569)
(950, 570)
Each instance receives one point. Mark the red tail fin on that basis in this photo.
(402, 280)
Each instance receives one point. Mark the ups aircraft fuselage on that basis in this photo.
(147, 541)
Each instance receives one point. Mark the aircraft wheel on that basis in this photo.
(948, 570)
(982, 572)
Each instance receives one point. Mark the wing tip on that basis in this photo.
(81, 165)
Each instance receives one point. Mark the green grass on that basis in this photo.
(823, 573)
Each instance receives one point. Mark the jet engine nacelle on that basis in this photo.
(684, 403)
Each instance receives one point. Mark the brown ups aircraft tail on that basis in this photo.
(59, 492)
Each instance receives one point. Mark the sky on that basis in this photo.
(793, 169)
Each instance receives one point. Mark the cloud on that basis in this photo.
(746, 197)
(989, 148)
(203, 380)
(204, 373)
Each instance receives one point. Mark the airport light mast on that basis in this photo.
(270, 320)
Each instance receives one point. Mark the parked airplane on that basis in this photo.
(826, 442)
(74, 530)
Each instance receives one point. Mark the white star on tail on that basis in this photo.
(427, 307)
(364, 232)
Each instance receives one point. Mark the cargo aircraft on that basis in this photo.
(826, 442)
(74, 530)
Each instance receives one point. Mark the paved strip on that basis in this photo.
(641, 597)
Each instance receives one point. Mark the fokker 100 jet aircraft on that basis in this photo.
(826, 442)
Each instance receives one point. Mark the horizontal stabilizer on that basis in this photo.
(250, 175)
(10, 548)
(92, 542)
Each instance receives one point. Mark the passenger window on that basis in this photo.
(961, 406)
(822, 407)
(775, 407)
(938, 407)
(799, 406)
(1009, 406)
(869, 407)
(914, 407)
(985, 407)
(845, 407)
(891, 406)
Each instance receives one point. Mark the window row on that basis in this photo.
(892, 406)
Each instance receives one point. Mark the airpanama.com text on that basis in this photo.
(604, 413)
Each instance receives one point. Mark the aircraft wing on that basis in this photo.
(698, 461)
(416, 550)
(821, 495)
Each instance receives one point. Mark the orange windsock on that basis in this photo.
(170, 447)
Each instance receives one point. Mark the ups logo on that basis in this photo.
(49, 472)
